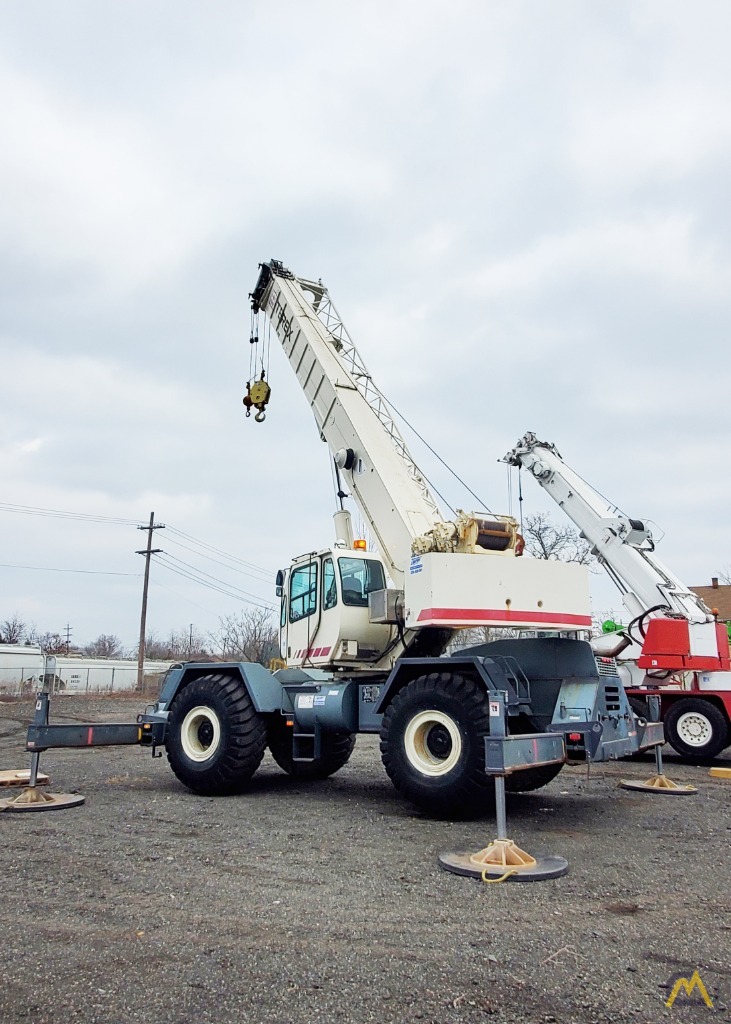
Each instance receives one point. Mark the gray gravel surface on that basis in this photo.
(323, 902)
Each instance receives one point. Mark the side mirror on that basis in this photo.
(280, 583)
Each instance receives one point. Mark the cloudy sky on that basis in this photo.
(520, 209)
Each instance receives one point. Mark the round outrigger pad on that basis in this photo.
(658, 784)
(33, 799)
(502, 860)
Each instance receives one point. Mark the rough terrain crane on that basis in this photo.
(363, 633)
(674, 647)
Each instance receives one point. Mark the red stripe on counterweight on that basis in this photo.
(502, 615)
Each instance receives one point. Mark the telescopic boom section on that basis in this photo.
(624, 546)
(351, 414)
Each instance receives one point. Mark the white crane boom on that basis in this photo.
(354, 419)
(623, 545)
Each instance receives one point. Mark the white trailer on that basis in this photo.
(101, 675)
(21, 668)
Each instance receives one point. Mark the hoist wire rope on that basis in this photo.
(266, 345)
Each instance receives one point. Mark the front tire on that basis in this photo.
(433, 744)
(215, 739)
(696, 728)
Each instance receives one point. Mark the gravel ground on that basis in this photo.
(323, 902)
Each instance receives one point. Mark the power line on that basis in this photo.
(218, 551)
(182, 597)
(226, 565)
(223, 583)
(55, 513)
(260, 602)
(49, 568)
(215, 580)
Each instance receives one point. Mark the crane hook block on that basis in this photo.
(258, 395)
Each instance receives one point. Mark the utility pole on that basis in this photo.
(69, 631)
(190, 641)
(148, 552)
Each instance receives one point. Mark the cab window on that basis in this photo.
(329, 590)
(303, 592)
(358, 578)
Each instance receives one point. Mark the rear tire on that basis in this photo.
(432, 744)
(215, 738)
(696, 728)
(335, 751)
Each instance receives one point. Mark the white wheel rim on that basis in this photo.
(694, 729)
(200, 733)
(423, 755)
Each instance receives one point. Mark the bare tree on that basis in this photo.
(106, 645)
(52, 643)
(250, 636)
(13, 630)
(481, 635)
(544, 539)
(184, 644)
(724, 576)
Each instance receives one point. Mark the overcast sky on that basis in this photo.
(520, 209)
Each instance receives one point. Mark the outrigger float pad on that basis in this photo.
(21, 778)
(658, 784)
(33, 799)
(502, 861)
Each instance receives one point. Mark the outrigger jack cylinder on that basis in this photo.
(659, 782)
(502, 860)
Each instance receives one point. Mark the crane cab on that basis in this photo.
(324, 614)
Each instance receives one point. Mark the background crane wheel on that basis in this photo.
(335, 751)
(432, 744)
(696, 728)
(215, 739)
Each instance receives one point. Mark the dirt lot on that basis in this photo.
(323, 902)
